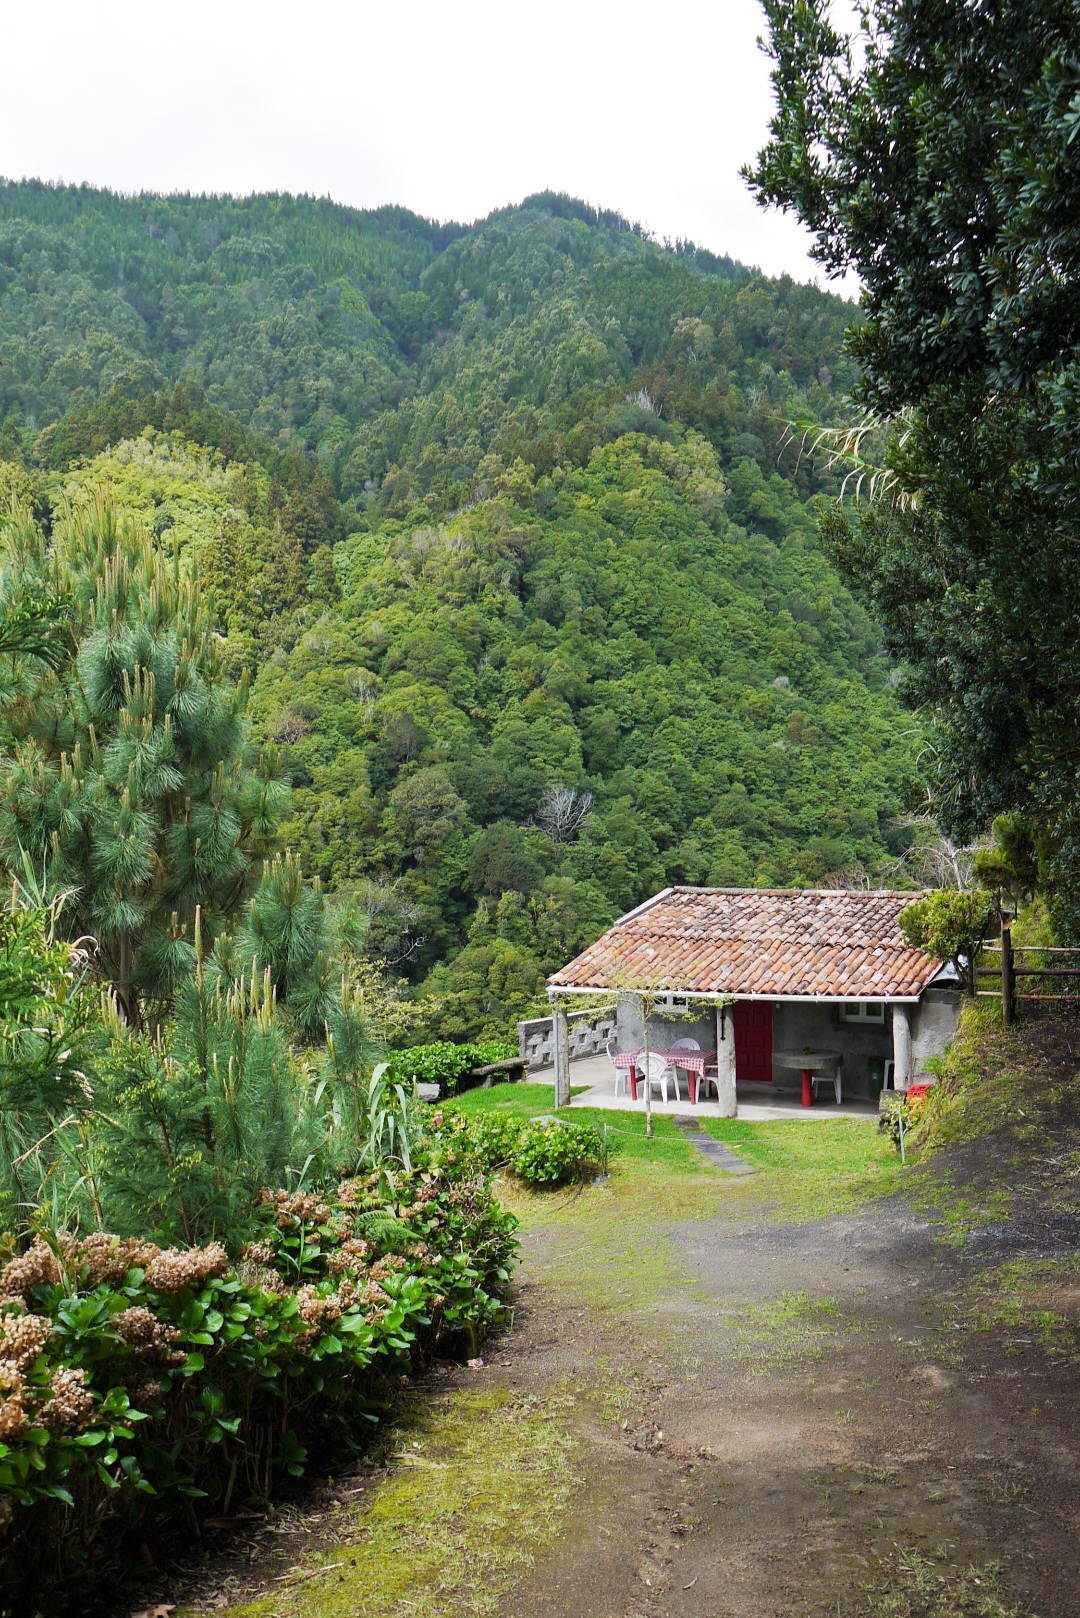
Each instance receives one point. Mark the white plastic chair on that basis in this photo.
(686, 1045)
(832, 1078)
(622, 1074)
(653, 1070)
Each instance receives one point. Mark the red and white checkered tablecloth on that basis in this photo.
(693, 1062)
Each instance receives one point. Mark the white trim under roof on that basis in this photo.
(729, 999)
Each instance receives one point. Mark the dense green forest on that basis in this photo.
(500, 525)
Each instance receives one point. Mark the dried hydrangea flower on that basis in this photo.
(71, 1401)
(36, 1267)
(23, 1338)
(13, 1419)
(147, 1336)
(179, 1267)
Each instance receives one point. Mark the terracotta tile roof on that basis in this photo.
(758, 942)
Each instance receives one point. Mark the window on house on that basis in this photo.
(863, 1011)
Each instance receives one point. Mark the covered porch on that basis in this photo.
(592, 1084)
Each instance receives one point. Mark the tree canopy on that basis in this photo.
(935, 155)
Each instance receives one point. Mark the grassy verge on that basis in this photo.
(998, 1078)
(807, 1170)
(477, 1489)
(983, 1082)
(1015, 1089)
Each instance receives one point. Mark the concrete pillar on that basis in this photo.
(562, 1057)
(630, 1022)
(725, 1062)
(901, 1045)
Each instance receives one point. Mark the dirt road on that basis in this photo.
(804, 1409)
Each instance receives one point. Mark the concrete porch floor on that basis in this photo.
(757, 1102)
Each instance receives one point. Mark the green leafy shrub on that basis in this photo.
(445, 1063)
(541, 1151)
(495, 1136)
(549, 1153)
(949, 924)
(142, 1381)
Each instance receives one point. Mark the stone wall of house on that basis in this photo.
(663, 1031)
(809, 1025)
(933, 1025)
(589, 1033)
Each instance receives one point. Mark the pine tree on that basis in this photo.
(128, 772)
(287, 936)
(197, 1119)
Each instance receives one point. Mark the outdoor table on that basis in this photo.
(693, 1064)
(808, 1063)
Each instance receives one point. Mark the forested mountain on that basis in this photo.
(499, 522)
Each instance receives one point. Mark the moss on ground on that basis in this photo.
(1030, 1300)
(793, 1331)
(612, 1247)
(912, 1585)
(478, 1485)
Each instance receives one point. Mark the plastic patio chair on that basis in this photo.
(833, 1079)
(654, 1070)
(686, 1045)
(622, 1074)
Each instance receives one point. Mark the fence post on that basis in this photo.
(1007, 979)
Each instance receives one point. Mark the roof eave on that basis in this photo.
(728, 996)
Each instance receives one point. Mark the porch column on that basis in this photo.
(725, 1062)
(561, 1030)
(901, 1045)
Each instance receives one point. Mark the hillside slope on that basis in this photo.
(498, 520)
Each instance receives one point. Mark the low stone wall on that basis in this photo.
(588, 1036)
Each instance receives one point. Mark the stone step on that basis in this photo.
(715, 1152)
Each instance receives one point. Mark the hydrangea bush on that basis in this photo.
(543, 1152)
(136, 1381)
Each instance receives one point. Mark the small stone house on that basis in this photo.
(787, 970)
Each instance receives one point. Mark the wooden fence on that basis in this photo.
(1040, 962)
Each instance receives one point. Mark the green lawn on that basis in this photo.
(623, 1131)
(805, 1169)
(811, 1169)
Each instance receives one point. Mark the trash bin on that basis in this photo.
(876, 1070)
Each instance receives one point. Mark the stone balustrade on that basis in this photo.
(588, 1032)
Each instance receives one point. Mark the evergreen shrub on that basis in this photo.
(138, 1384)
(550, 1153)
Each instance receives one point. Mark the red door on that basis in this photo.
(753, 1039)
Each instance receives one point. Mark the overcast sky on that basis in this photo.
(449, 109)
